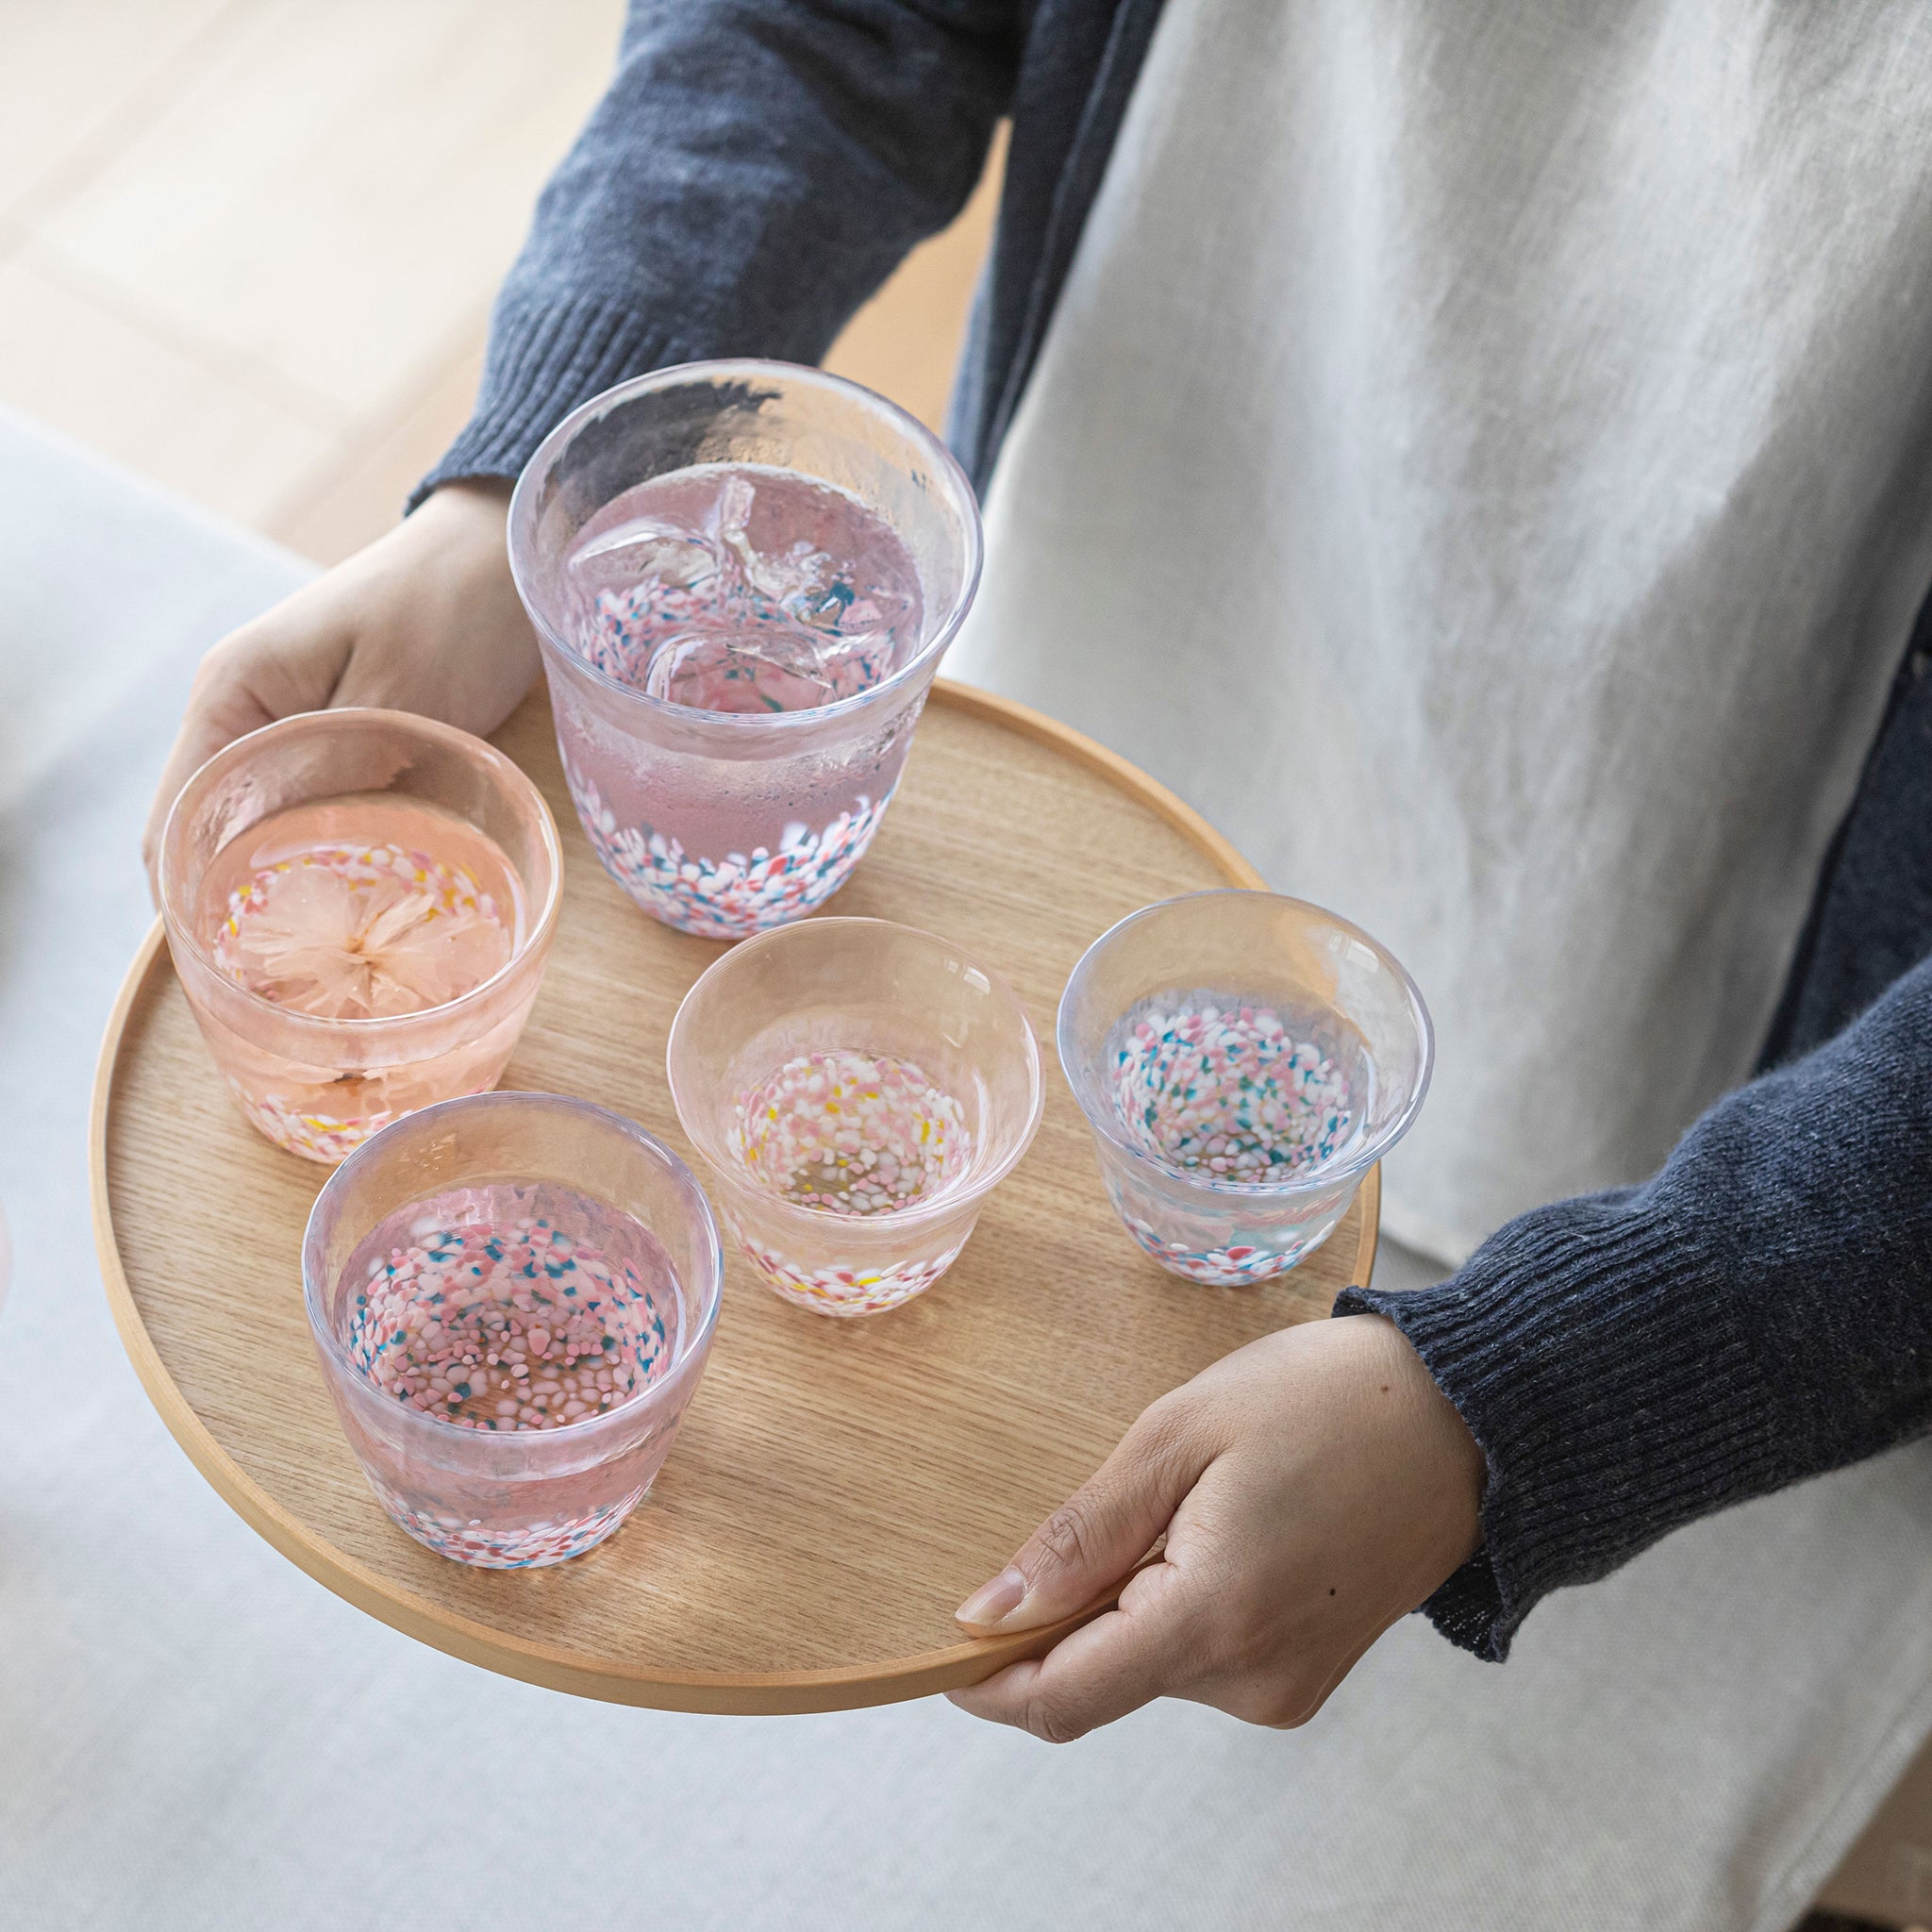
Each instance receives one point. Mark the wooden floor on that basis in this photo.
(247, 246)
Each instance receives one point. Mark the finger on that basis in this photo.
(1122, 1659)
(1104, 1530)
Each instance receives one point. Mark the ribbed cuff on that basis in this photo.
(543, 361)
(1600, 1364)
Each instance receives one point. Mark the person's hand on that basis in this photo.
(426, 619)
(1313, 1486)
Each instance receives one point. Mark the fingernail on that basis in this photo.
(992, 1603)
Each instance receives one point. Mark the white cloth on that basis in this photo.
(1479, 460)
(194, 1738)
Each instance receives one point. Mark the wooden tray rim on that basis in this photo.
(729, 1694)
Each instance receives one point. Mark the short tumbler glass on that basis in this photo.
(524, 1497)
(321, 1085)
(719, 823)
(855, 986)
(1242, 1060)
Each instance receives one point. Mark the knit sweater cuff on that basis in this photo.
(1599, 1361)
(544, 359)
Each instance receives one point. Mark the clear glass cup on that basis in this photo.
(321, 1085)
(839, 987)
(718, 823)
(1290, 998)
(525, 1497)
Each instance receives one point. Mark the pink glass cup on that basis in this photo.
(870, 986)
(320, 1087)
(718, 823)
(525, 1497)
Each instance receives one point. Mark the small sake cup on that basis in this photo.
(316, 1086)
(725, 823)
(864, 986)
(521, 1498)
(1327, 1002)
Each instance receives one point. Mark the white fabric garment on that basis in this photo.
(1480, 460)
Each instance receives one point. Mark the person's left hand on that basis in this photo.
(1313, 1486)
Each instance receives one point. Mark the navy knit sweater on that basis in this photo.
(1758, 1311)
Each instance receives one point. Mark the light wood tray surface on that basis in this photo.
(837, 1487)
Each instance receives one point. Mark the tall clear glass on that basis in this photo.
(725, 823)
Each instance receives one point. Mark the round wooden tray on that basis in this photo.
(837, 1485)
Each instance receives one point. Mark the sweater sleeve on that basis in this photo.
(755, 170)
(1758, 1311)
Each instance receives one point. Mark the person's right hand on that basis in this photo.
(426, 619)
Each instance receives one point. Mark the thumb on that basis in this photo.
(1094, 1538)
(252, 677)
(207, 727)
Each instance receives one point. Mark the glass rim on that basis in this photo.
(873, 1228)
(1326, 1174)
(543, 924)
(691, 1349)
(907, 424)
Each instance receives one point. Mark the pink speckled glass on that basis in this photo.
(856, 1089)
(1242, 1060)
(535, 1491)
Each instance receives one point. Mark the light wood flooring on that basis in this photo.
(247, 246)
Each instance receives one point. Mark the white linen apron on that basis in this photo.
(1480, 460)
